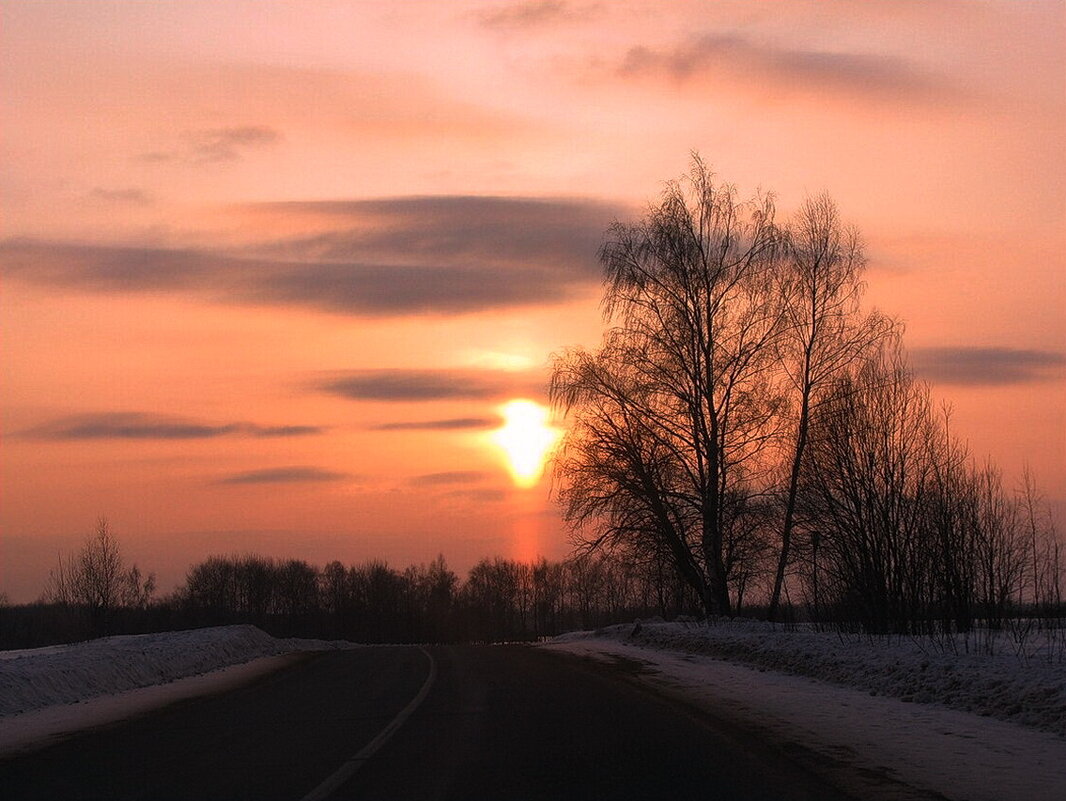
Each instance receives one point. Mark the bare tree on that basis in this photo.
(866, 487)
(672, 417)
(953, 515)
(619, 477)
(823, 335)
(913, 537)
(1002, 549)
(1045, 549)
(491, 596)
(212, 587)
(97, 579)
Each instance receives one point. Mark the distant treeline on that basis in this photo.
(498, 600)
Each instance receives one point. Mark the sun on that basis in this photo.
(527, 438)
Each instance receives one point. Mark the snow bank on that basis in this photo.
(44, 677)
(873, 747)
(1029, 691)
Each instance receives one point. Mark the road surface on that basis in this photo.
(495, 722)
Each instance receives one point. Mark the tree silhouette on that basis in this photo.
(823, 335)
(97, 580)
(672, 418)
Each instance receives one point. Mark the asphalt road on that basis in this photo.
(498, 722)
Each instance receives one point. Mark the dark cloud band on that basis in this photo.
(536, 14)
(284, 475)
(441, 255)
(448, 424)
(448, 478)
(715, 55)
(987, 366)
(138, 426)
(215, 145)
(434, 385)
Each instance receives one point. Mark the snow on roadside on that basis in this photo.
(1030, 691)
(47, 725)
(37, 678)
(872, 744)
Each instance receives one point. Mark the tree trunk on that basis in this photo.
(790, 506)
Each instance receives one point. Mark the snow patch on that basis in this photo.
(1029, 690)
(41, 727)
(872, 708)
(41, 677)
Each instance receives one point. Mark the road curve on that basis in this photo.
(516, 722)
(498, 722)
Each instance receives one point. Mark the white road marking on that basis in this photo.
(349, 768)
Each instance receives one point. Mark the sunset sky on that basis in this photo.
(270, 270)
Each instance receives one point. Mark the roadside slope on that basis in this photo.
(46, 693)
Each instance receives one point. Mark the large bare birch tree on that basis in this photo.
(672, 418)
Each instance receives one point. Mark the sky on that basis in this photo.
(270, 271)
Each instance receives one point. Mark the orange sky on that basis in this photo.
(269, 270)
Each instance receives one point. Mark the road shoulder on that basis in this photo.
(861, 743)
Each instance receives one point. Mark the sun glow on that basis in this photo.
(527, 438)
